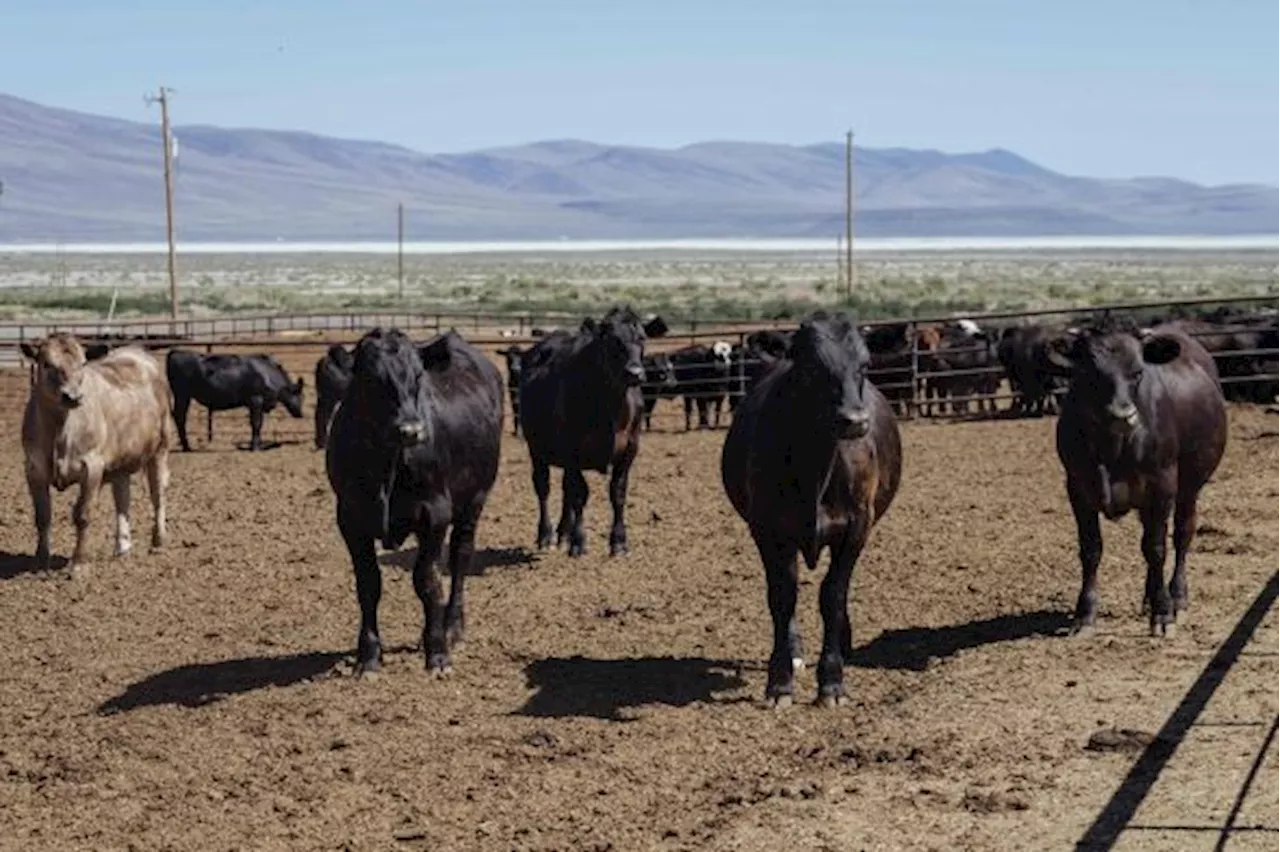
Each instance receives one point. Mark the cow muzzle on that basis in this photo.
(1124, 418)
(854, 424)
(410, 432)
(70, 398)
(635, 376)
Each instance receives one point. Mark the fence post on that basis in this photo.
(208, 412)
(915, 369)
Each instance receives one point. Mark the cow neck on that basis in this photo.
(610, 390)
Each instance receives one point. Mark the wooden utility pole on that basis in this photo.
(163, 99)
(400, 248)
(839, 259)
(848, 216)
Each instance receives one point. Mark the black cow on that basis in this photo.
(659, 383)
(581, 404)
(752, 359)
(1024, 352)
(224, 382)
(813, 460)
(414, 449)
(898, 358)
(512, 355)
(966, 354)
(703, 373)
(1244, 348)
(1143, 427)
(333, 375)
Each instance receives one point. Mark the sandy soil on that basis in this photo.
(200, 698)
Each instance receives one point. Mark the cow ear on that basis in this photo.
(30, 350)
(655, 327)
(94, 351)
(299, 384)
(1159, 349)
(1062, 353)
(589, 325)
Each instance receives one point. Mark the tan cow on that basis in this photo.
(90, 422)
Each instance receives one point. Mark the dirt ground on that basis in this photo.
(201, 698)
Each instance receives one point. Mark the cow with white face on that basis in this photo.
(704, 374)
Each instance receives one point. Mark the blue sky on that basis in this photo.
(1111, 89)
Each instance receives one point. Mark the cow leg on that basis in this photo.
(567, 507)
(158, 484)
(833, 602)
(323, 410)
(718, 405)
(82, 512)
(42, 507)
(121, 491)
(1089, 540)
(688, 413)
(779, 559)
(1155, 532)
(368, 592)
(462, 547)
(618, 479)
(542, 488)
(255, 423)
(1184, 530)
(181, 406)
(575, 495)
(427, 583)
(704, 407)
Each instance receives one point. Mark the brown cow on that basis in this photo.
(1143, 427)
(90, 422)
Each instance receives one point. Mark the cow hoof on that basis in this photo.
(577, 549)
(781, 701)
(369, 669)
(157, 542)
(122, 550)
(1163, 627)
(797, 664)
(830, 700)
(618, 549)
(438, 666)
(1082, 629)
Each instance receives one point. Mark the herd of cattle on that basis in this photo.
(812, 459)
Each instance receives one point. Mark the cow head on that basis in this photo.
(387, 386)
(830, 361)
(660, 374)
(619, 340)
(722, 357)
(291, 398)
(1106, 367)
(59, 361)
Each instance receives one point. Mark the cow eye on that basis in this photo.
(1136, 376)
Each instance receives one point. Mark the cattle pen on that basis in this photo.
(201, 696)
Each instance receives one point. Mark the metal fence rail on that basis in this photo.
(913, 380)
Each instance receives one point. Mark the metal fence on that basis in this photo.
(915, 379)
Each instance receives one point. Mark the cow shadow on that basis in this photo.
(602, 689)
(14, 565)
(484, 559)
(200, 684)
(912, 648)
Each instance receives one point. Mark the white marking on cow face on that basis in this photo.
(969, 327)
(721, 351)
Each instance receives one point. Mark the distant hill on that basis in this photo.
(74, 176)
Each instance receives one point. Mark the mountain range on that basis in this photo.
(74, 176)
